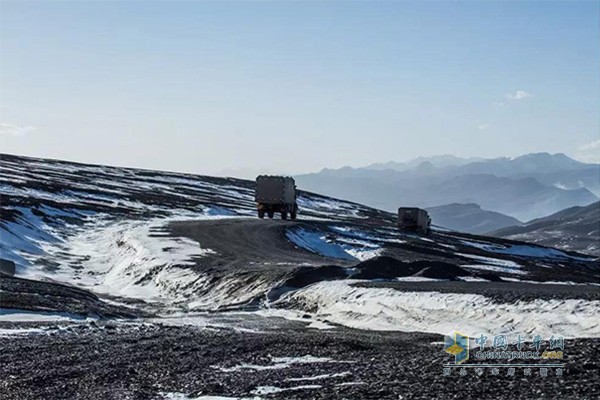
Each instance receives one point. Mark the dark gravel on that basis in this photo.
(112, 361)
(27, 294)
(385, 267)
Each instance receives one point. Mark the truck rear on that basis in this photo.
(414, 219)
(276, 194)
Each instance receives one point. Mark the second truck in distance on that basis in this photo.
(414, 219)
(276, 194)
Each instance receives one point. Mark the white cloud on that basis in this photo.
(589, 152)
(518, 95)
(15, 130)
(590, 146)
(483, 127)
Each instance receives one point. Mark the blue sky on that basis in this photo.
(294, 87)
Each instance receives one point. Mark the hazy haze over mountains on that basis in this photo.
(526, 187)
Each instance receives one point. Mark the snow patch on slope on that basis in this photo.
(139, 259)
(342, 247)
(129, 258)
(278, 363)
(37, 316)
(523, 250)
(388, 309)
(493, 264)
(316, 242)
(23, 238)
(183, 396)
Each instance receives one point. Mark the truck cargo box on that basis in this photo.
(275, 190)
(414, 219)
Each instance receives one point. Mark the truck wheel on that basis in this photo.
(284, 215)
(271, 214)
(261, 214)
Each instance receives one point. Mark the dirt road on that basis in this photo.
(252, 244)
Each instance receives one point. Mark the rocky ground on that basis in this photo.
(30, 295)
(110, 360)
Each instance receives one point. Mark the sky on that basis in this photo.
(292, 87)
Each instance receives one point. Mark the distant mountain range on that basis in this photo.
(576, 228)
(534, 163)
(437, 161)
(526, 187)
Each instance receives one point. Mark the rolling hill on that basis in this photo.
(576, 228)
(470, 218)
